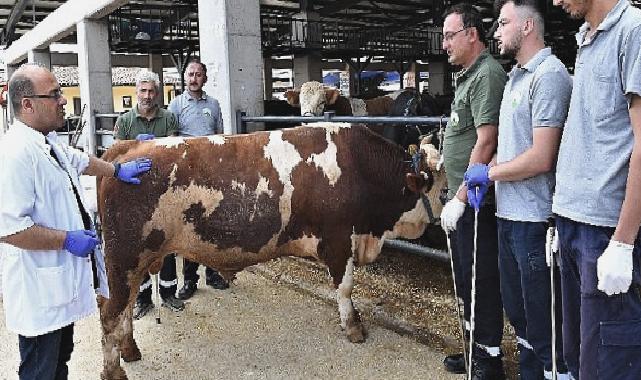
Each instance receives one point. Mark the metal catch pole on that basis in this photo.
(461, 320)
(158, 302)
(473, 295)
(552, 232)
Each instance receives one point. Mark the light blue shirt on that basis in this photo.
(197, 117)
(597, 142)
(536, 95)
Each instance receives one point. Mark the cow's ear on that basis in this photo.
(293, 98)
(419, 183)
(331, 95)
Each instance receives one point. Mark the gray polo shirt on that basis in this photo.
(536, 95)
(594, 158)
(197, 117)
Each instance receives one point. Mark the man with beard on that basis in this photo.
(471, 137)
(598, 194)
(47, 239)
(198, 114)
(533, 110)
(143, 122)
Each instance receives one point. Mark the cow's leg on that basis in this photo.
(128, 347)
(116, 320)
(111, 327)
(350, 319)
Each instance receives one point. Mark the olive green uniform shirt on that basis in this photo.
(477, 101)
(131, 124)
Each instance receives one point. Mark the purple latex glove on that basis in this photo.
(477, 181)
(80, 243)
(475, 196)
(130, 170)
(477, 174)
(145, 136)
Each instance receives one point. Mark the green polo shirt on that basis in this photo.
(131, 124)
(477, 101)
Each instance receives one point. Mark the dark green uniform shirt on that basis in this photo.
(477, 101)
(131, 124)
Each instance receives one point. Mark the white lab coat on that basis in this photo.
(43, 290)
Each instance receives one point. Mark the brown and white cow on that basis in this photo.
(328, 192)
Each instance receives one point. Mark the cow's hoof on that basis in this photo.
(130, 354)
(117, 374)
(356, 333)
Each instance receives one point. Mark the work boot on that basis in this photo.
(455, 363)
(488, 369)
(217, 282)
(188, 290)
(172, 303)
(141, 309)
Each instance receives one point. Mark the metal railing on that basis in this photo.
(242, 119)
(160, 28)
(104, 137)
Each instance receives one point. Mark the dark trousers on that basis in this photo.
(45, 357)
(168, 281)
(525, 289)
(190, 271)
(601, 333)
(488, 329)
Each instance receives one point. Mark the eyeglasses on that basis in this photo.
(57, 94)
(450, 35)
(502, 22)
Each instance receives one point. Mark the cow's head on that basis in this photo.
(293, 98)
(419, 178)
(430, 154)
(313, 97)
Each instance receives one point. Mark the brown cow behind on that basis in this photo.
(314, 99)
(328, 192)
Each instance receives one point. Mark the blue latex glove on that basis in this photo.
(475, 195)
(145, 136)
(129, 171)
(80, 243)
(477, 174)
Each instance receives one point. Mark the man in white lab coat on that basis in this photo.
(49, 272)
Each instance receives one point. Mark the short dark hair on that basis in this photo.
(525, 8)
(20, 86)
(534, 4)
(197, 61)
(471, 18)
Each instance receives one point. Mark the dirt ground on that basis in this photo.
(279, 321)
(409, 294)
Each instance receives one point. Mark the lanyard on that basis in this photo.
(86, 220)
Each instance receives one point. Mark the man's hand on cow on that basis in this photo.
(614, 268)
(80, 243)
(452, 212)
(145, 136)
(129, 171)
